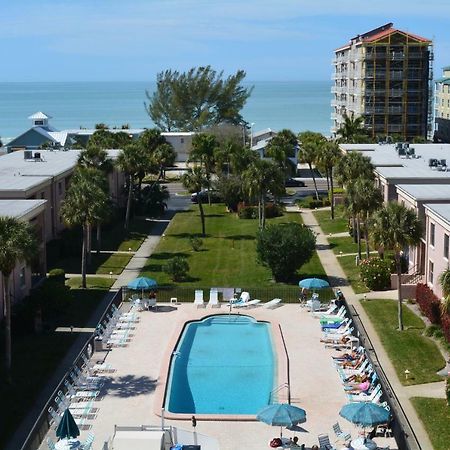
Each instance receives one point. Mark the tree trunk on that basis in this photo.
(328, 180)
(314, 180)
(399, 289)
(366, 236)
(332, 194)
(355, 235)
(7, 299)
(84, 257)
(208, 178)
(202, 214)
(263, 212)
(130, 194)
(358, 228)
(99, 237)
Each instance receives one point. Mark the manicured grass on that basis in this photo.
(100, 264)
(114, 263)
(36, 356)
(338, 225)
(92, 283)
(228, 255)
(344, 245)
(352, 273)
(408, 349)
(435, 415)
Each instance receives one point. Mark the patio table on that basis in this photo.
(363, 444)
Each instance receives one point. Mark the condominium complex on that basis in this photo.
(385, 76)
(442, 107)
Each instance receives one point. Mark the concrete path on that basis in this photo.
(337, 277)
(434, 390)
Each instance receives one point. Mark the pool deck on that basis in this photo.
(129, 395)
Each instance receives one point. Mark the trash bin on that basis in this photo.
(98, 344)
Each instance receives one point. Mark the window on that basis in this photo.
(60, 188)
(182, 140)
(432, 233)
(42, 195)
(430, 271)
(22, 280)
(446, 241)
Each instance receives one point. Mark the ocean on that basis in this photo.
(297, 105)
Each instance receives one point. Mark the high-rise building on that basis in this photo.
(385, 76)
(442, 107)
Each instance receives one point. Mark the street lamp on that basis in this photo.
(251, 134)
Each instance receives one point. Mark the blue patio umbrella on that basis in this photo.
(365, 414)
(67, 428)
(313, 283)
(282, 415)
(142, 283)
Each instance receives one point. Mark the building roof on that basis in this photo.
(426, 192)
(384, 33)
(439, 209)
(390, 165)
(9, 183)
(20, 208)
(39, 116)
(446, 68)
(259, 133)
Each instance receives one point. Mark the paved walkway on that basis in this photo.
(337, 277)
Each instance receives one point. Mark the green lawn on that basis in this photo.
(408, 349)
(36, 356)
(435, 415)
(101, 264)
(228, 255)
(352, 274)
(338, 225)
(344, 245)
(92, 283)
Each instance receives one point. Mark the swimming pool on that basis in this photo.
(222, 365)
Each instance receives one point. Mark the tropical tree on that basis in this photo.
(97, 158)
(282, 147)
(84, 205)
(352, 130)
(18, 243)
(134, 162)
(260, 178)
(164, 156)
(197, 99)
(328, 158)
(311, 146)
(203, 150)
(105, 139)
(353, 165)
(195, 180)
(395, 228)
(444, 281)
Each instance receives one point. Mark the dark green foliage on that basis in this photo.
(196, 243)
(177, 268)
(154, 199)
(57, 274)
(248, 212)
(284, 248)
(230, 189)
(375, 273)
(196, 99)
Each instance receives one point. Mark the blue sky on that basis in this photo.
(111, 40)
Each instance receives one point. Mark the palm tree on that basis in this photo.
(328, 159)
(352, 130)
(311, 146)
(84, 205)
(164, 156)
(259, 178)
(282, 147)
(396, 227)
(203, 150)
(195, 180)
(17, 243)
(97, 158)
(132, 162)
(444, 281)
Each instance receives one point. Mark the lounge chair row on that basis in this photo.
(243, 301)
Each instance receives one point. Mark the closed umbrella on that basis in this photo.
(142, 283)
(282, 415)
(365, 414)
(313, 283)
(67, 428)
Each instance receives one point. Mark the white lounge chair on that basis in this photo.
(246, 304)
(198, 300)
(243, 298)
(214, 298)
(329, 311)
(272, 304)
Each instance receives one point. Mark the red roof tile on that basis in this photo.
(384, 33)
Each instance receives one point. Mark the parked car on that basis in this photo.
(292, 182)
(215, 196)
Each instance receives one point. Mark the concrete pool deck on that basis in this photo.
(128, 397)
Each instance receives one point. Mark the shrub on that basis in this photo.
(284, 248)
(196, 243)
(447, 390)
(315, 204)
(445, 322)
(177, 268)
(273, 210)
(375, 273)
(57, 275)
(430, 330)
(247, 212)
(429, 304)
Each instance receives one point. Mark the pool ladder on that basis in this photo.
(272, 398)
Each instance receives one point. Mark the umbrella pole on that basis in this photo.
(281, 431)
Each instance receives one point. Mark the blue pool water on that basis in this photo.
(222, 365)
